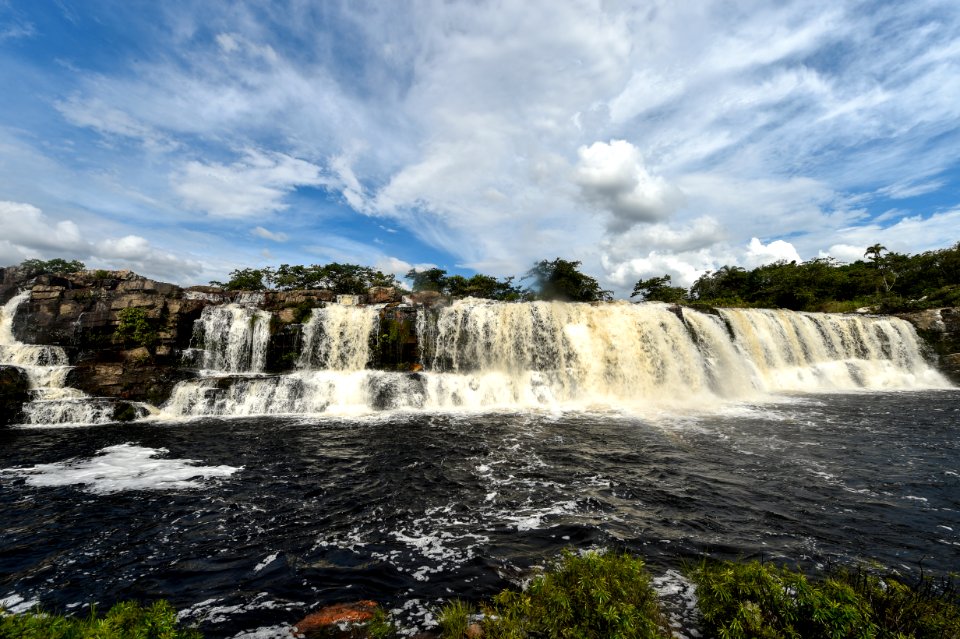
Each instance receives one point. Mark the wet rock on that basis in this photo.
(14, 393)
(336, 620)
(140, 381)
(383, 295)
(940, 329)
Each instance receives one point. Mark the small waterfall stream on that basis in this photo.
(46, 368)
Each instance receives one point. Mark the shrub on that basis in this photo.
(134, 327)
(454, 619)
(591, 596)
(762, 601)
(127, 620)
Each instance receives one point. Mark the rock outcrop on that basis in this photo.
(940, 329)
(81, 312)
(14, 393)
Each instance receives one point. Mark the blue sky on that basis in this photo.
(187, 139)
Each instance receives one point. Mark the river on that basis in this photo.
(247, 524)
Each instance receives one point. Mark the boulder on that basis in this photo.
(382, 295)
(334, 621)
(14, 393)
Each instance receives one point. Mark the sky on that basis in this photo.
(186, 139)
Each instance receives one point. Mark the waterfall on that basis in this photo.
(480, 354)
(788, 351)
(232, 338)
(337, 337)
(46, 368)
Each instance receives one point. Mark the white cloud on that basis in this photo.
(27, 227)
(29, 233)
(270, 235)
(253, 186)
(759, 253)
(475, 126)
(844, 252)
(612, 177)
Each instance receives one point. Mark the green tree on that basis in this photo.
(36, 267)
(561, 279)
(483, 286)
(244, 279)
(431, 279)
(658, 289)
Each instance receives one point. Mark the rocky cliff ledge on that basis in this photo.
(81, 312)
(940, 329)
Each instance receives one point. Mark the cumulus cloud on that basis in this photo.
(758, 253)
(138, 254)
(254, 185)
(612, 176)
(29, 233)
(25, 226)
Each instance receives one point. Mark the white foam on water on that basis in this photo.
(122, 467)
(14, 603)
(269, 559)
(679, 600)
(284, 631)
(214, 611)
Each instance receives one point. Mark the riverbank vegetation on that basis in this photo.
(610, 595)
(127, 620)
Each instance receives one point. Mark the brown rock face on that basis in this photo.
(382, 295)
(940, 329)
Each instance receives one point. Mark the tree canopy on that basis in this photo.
(891, 281)
(562, 280)
(344, 279)
(36, 267)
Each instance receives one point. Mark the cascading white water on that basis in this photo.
(233, 338)
(789, 351)
(337, 338)
(335, 352)
(46, 368)
(479, 354)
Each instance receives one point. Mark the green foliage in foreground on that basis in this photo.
(591, 596)
(762, 601)
(127, 620)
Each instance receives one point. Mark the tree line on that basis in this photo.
(556, 279)
(885, 280)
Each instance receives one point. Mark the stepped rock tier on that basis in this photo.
(214, 352)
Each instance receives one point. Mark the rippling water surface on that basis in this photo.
(251, 523)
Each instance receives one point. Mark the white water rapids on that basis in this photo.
(481, 355)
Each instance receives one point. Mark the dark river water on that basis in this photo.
(247, 524)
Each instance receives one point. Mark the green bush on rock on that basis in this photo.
(127, 620)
